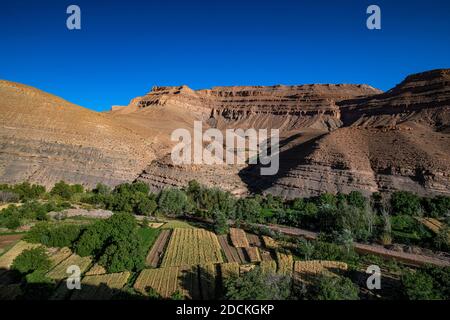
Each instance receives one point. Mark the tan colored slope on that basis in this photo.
(395, 141)
(45, 139)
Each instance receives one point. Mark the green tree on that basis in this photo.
(334, 288)
(405, 203)
(31, 260)
(418, 285)
(257, 285)
(173, 202)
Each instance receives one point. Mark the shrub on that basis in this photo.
(257, 285)
(220, 223)
(54, 236)
(436, 207)
(418, 285)
(173, 202)
(405, 203)
(8, 196)
(334, 288)
(355, 198)
(31, 260)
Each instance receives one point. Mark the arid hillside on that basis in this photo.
(332, 137)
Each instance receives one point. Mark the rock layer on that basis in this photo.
(334, 138)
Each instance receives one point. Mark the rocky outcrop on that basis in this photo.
(334, 138)
(45, 139)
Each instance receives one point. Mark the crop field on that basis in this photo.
(8, 240)
(176, 224)
(268, 266)
(8, 257)
(96, 270)
(231, 253)
(59, 272)
(306, 270)
(285, 263)
(229, 269)
(154, 255)
(192, 247)
(239, 238)
(166, 281)
(253, 254)
(254, 240)
(208, 276)
(101, 287)
(270, 243)
(57, 255)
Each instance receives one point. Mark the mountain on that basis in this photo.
(332, 137)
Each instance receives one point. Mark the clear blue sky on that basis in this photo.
(126, 47)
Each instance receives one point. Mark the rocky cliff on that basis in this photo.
(333, 137)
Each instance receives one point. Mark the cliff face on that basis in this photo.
(45, 139)
(396, 140)
(333, 137)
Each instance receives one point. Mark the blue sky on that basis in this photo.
(126, 47)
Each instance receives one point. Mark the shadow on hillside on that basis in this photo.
(14, 287)
(288, 160)
(200, 282)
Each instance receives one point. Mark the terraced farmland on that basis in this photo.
(8, 257)
(307, 270)
(208, 275)
(101, 287)
(189, 247)
(239, 238)
(285, 263)
(154, 256)
(57, 255)
(60, 271)
(166, 281)
(96, 270)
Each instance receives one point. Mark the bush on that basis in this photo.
(418, 285)
(436, 207)
(257, 285)
(63, 190)
(405, 203)
(173, 202)
(54, 236)
(8, 196)
(220, 223)
(334, 288)
(31, 260)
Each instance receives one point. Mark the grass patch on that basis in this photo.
(174, 224)
(148, 237)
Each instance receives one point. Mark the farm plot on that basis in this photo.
(8, 257)
(254, 240)
(192, 247)
(270, 243)
(60, 271)
(238, 238)
(8, 240)
(305, 271)
(268, 266)
(285, 263)
(208, 275)
(433, 224)
(231, 253)
(57, 255)
(96, 270)
(166, 281)
(157, 250)
(229, 269)
(253, 254)
(101, 287)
